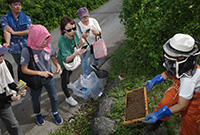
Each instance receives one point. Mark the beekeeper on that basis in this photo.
(181, 56)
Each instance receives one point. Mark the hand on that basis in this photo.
(6, 45)
(80, 51)
(23, 93)
(14, 97)
(85, 34)
(58, 70)
(81, 41)
(45, 74)
(150, 118)
(149, 85)
(159, 114)
(95, 32)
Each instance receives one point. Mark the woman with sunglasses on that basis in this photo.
(66, 53)
(181, 56)
(88, 29)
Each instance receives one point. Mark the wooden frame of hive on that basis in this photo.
(146, 106)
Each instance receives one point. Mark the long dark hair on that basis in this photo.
(65, 20)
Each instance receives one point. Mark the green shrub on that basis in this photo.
(50, 12)
(150, 23)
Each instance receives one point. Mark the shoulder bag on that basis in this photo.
(76, 61)
(33, 81)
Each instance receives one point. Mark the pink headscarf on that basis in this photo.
(37, 35)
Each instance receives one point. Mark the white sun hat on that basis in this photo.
(181, 45)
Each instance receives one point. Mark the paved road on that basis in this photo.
(113, 34)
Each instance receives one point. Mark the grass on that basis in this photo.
(80, 122)
(135, 76)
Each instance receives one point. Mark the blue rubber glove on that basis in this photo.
(150, 83)
(161, 113)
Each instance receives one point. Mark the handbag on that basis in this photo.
(99, 48)
(33, 81)
(76, 61)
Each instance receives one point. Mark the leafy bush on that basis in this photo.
(150, 23)
(50, 12)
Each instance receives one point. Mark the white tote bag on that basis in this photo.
(76, 61)
(73, 65)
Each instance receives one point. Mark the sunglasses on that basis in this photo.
(69, 30)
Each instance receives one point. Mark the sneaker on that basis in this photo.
(71, 101)
(58, 119)
(95, 68)
(152, 127)
(40, 120)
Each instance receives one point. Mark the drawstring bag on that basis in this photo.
(99, 48)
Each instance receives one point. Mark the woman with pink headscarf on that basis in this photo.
(39, 41)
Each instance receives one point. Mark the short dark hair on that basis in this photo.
(11, 1)
(65, 20)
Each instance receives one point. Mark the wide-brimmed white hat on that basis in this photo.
(181, 45)
(3, 50)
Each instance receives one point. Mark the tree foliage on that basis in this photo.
(50, 12)
(150, 23)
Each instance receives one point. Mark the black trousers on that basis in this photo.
(64, 81)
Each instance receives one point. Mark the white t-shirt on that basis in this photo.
(189, 85)
(93, 24)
